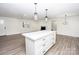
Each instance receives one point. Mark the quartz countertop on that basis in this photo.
(38, 34)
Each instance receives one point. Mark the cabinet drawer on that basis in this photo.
(43, 44)
(40, 48)
(49, 39)
(44, 41)
(40, 41)
(40, 51)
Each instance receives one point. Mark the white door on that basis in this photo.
(2, 29)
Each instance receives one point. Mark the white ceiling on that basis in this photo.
(26, 10)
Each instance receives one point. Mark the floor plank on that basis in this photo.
(15, 45)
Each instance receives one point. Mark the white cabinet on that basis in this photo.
(40, 45)
(2, 29)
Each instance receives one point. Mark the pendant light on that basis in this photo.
(46, 17)
(65, 20)
(35, 13)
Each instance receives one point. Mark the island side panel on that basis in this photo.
(29, 46)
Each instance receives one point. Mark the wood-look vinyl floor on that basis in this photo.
(12, 45)
(65, 45)
(15, 45)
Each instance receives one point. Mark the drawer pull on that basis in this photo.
(43, 39)
(43, 44)
(43, 51)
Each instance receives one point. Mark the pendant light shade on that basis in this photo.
(35, 13)
(46, 17)
(35, 16)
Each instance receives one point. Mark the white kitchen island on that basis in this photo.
(38, 43)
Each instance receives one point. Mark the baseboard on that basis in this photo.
(3, 35)
(68, 36)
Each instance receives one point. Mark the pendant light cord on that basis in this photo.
(35, 7)
(46, 11)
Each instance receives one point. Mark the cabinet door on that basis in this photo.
(29, 46)
(49, 42)
(38, 47)
(2, 30)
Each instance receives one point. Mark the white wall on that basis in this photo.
(70, 29)
(14, 26)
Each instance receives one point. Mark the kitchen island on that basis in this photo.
(38, 43)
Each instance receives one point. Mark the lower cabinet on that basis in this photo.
(40, 46)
